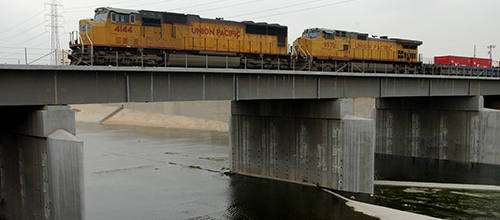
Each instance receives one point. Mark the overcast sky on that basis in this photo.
(447, 27)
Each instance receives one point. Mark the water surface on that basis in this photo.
(157, 173)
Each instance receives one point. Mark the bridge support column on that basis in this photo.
(41, 164)
(442, 139)
(315, 142)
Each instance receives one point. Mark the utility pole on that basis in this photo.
(490, 48)
(54, 27)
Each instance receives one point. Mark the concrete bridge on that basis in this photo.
(286, 125)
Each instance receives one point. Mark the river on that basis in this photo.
(134, 172)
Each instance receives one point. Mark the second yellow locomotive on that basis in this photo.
(336, 50)
(138, 37)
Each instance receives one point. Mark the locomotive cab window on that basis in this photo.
(313, 35)
(113, 17)
(124, 18)
(329, 36)
(100, 16)
(132, 19)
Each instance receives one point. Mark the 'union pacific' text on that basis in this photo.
(373, 47)
(215, 32)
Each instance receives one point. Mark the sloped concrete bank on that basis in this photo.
(104, 114)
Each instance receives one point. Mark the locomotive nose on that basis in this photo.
(85, 25)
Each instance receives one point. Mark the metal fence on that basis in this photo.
(350, 67)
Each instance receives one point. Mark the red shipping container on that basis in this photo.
(481, 62)
(453, 60)
(462, 61)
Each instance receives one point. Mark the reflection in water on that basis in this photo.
(433, 170)
(255, 198)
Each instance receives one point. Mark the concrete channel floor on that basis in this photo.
(381, 212)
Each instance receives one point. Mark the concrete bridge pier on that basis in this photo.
(443, 139)
(304, 141)
(41, 164)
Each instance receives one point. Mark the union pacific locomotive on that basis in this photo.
(138, 37)
(326, 49)
(130, 37)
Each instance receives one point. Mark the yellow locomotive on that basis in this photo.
(336, 50)
(139, 37)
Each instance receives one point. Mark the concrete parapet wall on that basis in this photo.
(41, 164)
(444, 128)
(303, 141)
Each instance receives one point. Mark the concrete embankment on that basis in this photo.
(104, 114)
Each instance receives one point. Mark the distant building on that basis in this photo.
(62, 58)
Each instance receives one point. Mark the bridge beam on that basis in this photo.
(314, 142)
(41, 162)
(444, 139)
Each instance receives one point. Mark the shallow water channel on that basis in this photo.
(157, 173)
(134, 172)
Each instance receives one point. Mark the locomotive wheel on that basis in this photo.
(314, 66)
(100, 61)
(126, 62)
(327, 68)
(151, 62)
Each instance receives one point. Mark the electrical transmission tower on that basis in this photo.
(55, 47)
(490, 50)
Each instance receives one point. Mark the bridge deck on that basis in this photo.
(45, 85)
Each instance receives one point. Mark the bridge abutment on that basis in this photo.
(444, 139)
(41, 174)
(304, 141)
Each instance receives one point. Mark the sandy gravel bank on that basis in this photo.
(97, 113)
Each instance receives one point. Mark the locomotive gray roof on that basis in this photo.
(191, 17)
(355, 34)
(120, 10)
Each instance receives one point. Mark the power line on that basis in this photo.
(229, 6)
(18, 34)
(94, 6)
(17, 25)
(31, 48)
(26, 41)
(152, 3)
(305, 9)
(192, 6)
(274, 9)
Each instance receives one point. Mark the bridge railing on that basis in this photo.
(260, 63)
(451, 70)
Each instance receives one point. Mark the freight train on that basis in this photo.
(125, 37)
